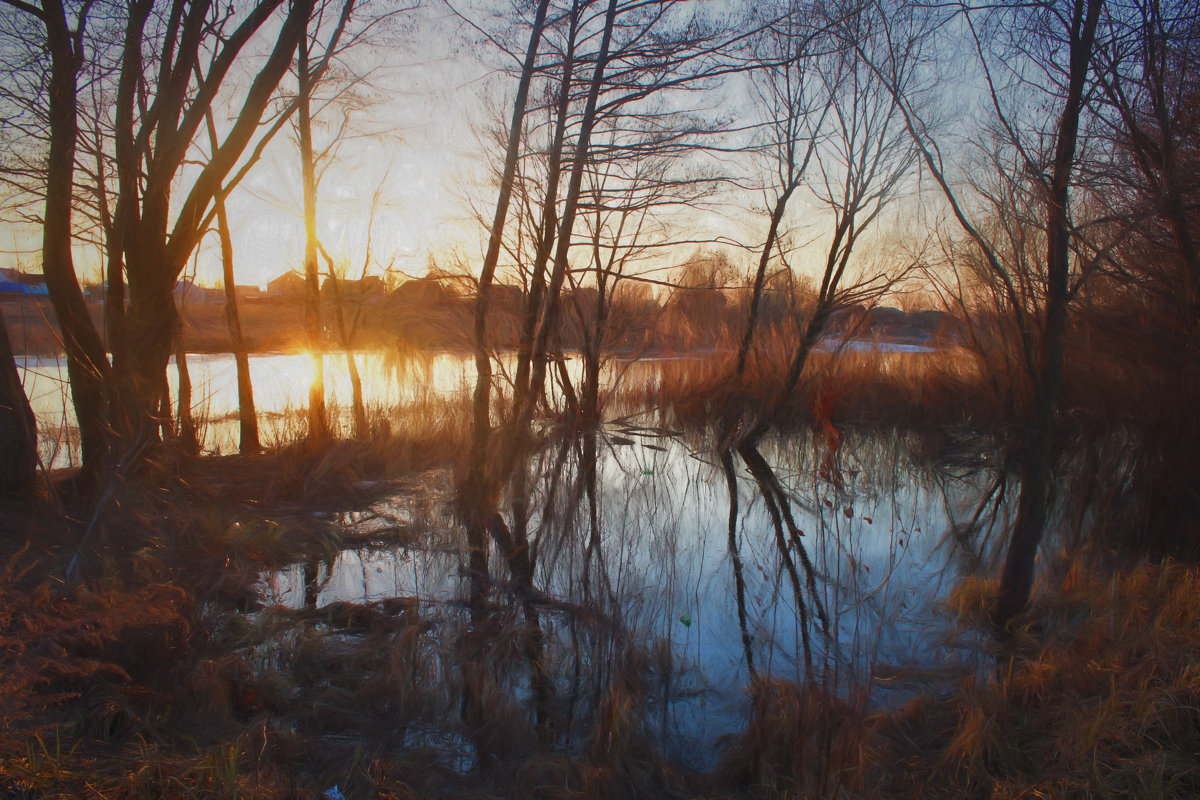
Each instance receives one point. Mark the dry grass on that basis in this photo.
(902, 390)
(800, 742)
(1097, 696)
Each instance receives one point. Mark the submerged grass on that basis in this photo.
(900, 390)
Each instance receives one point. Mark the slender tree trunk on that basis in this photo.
(1037, 472)
(185, 424)
(346, 340)
(247, 414)
(479, 493)
(18, 428)
(548, 321)
(248, 441)
(87, 364)
(764, 259)
(549, 223)
(483, 363)
(318, 422)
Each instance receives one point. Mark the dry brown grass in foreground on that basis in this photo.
(121, 690)
(1098, 695)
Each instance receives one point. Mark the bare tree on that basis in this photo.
(330, 22)
(87, 364)
(1059, 39)
(862, 163)
(1037, 476)
(1148, 70)
(159, 109)
(347, 330)
(795, 105)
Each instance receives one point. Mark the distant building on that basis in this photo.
(14, 283)
(288, 286)
(249, 294)
(369, 290)
(187, 292)
(421, 292)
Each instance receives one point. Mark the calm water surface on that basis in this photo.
(662, 574)
(876, 519)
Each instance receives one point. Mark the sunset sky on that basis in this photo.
(433, 87)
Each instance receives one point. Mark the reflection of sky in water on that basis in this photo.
(368, 575)
(281, 383)
(662, 569)
(664, 558)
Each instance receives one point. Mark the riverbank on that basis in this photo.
(268, 328)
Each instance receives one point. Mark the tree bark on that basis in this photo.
(185, 424)
(87, 363)
(248, 441)
(18, 428)
(1037, 469)
(318, 423)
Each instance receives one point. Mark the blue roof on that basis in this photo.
(12, 287)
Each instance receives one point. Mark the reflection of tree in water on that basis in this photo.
(314, 584)
(780, 509)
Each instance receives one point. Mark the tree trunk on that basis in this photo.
(346, 339)
(1037, 472)
(247, 415)
(318, 422)
(185, 425)
(18, 428)
(147, 342)
(87, 364)
(760, 278)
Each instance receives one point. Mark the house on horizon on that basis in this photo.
(15, 283)
(422, 293)
(287, 287)
(191, 293)
(369, 290)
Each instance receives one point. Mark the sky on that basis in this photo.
(432, 88)
(413, 145)
(417, 140)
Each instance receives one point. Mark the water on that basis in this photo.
(281, 384)
(875, 529)
(656, 574)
